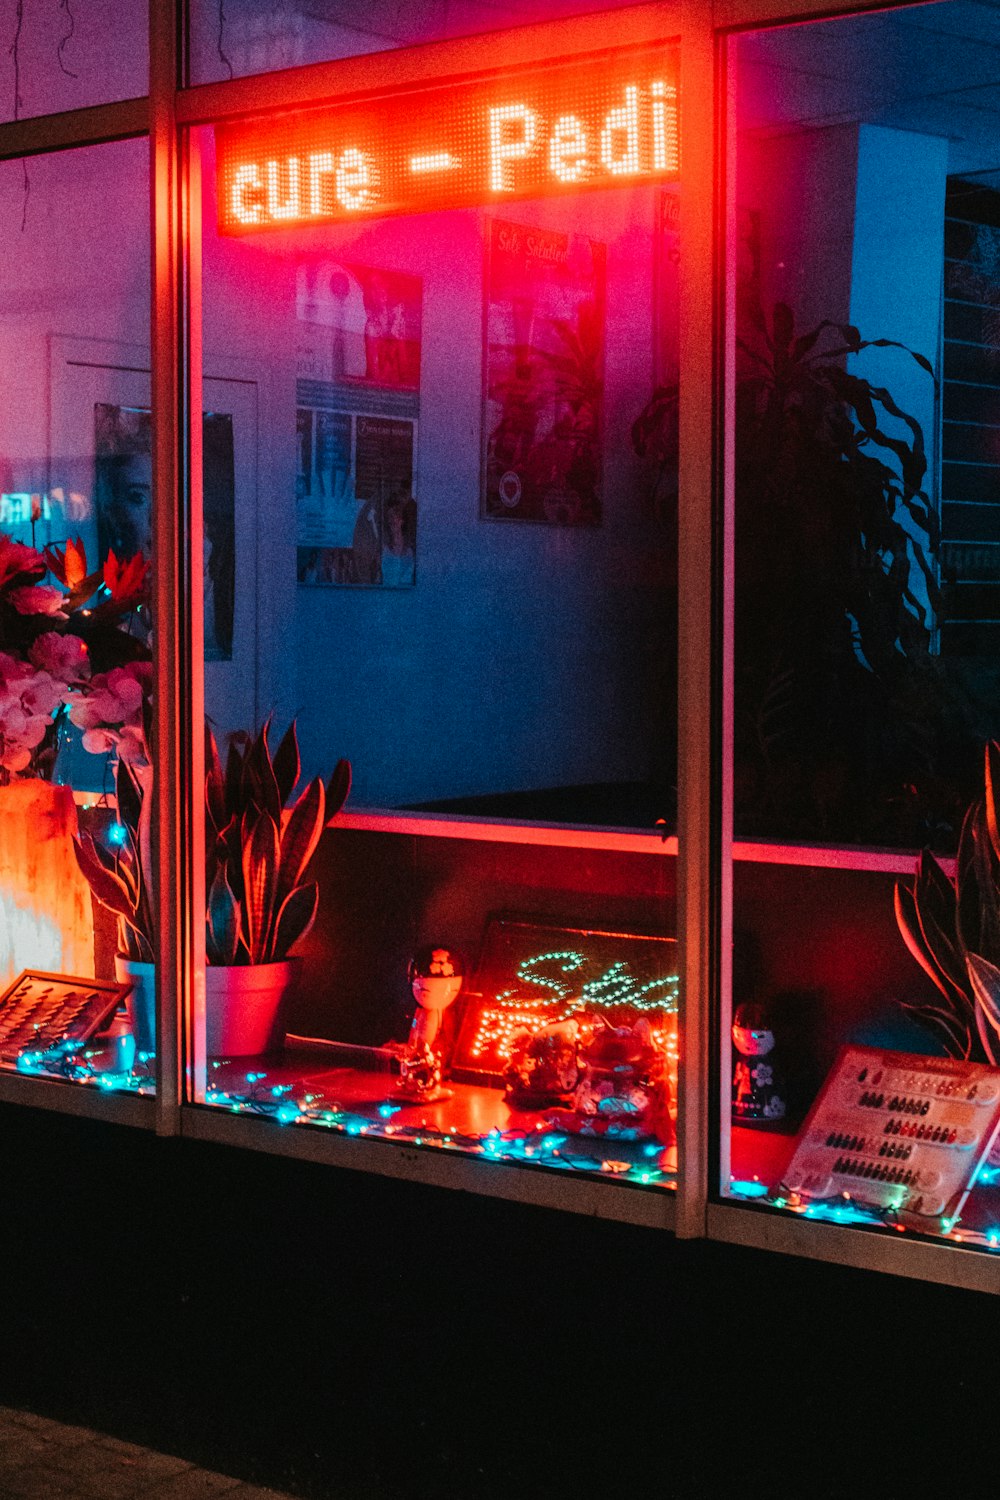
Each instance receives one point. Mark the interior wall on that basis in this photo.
(526, 655)
(69, 266)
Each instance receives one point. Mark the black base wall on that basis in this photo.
(379, 1340)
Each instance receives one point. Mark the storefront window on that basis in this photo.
(75, 626)
(65, 56)
(441, 355)
(864, 1044)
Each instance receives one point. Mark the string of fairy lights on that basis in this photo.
(641, 1163)
(842, 1208)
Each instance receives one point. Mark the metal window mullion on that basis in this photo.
(699, 744)
(169, 833)
(93, 126)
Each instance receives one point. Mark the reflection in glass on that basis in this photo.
(866, 986)
(455, 531)
(75, 667)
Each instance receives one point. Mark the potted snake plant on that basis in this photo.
(260, 902)
(952, 928)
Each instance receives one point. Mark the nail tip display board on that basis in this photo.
(899, 1133)
(39, 1011)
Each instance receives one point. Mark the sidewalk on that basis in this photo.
(45, 1460)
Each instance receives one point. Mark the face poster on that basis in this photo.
(357, 409)
(544, 376)
(123, 473)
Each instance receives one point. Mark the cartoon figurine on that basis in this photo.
(624, 1092)
(436, 975)
(543, 1068)
(758, 1088)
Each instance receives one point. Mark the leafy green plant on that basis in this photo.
(257, 851)
(257, 856)
(952, 929)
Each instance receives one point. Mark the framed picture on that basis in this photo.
(543, 380)
(99, 488)
(357, 417)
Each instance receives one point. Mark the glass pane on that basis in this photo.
(68, 55)
(75, 672)
(258, 36)
(867, 418)
(451, 438)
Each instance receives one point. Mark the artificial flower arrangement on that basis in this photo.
(71, 643)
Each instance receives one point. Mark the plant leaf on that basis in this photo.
(337, 789)
(129, 796)
(215, 784)
(957, 1037)
(935, 905)
(260, 881)
(259, 785)
(909, 927)
(222, 934)
(297, 914)
(107, 888)
(985, 979)
(992, 769)
(287, 764)
(300, 836)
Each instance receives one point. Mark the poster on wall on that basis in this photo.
(123, 468)
(358, 405)
(544, 376)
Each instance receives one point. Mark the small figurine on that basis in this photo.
(543, 1067)
(758, 1088)
(624, 1091)
(436, 975)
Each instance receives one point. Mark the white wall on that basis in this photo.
(526, 655)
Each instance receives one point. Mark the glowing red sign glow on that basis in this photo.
(594, 122)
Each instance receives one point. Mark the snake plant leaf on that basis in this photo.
(260, 881)
(967, 913)
(260, 787)
(300, 836)
(912, 935)
(296, 916)
(234, 773)
(287, 763)
(986, 1038)
(935, 905)
(222, 935)
(337, 789)
(985, 874)
(128, 794)
(215, 786)
(106, 886)
(955, 1033)
(992, 780)
(985, 980)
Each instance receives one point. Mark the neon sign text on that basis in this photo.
(595, 122)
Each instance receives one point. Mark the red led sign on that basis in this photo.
(595, 122)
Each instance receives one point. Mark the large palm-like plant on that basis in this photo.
(843, 715)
